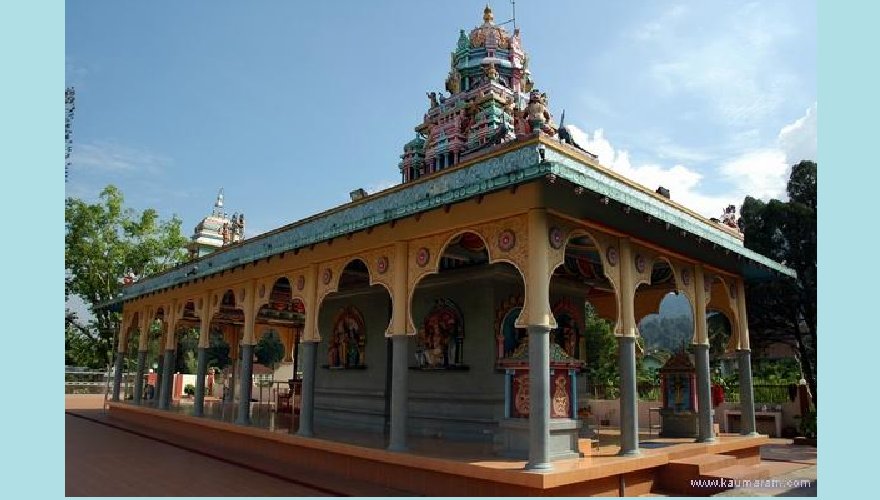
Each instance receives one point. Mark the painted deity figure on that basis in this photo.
(536, 113)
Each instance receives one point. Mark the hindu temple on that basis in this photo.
(452, 305)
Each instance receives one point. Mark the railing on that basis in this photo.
(764, 393)
(87, 381)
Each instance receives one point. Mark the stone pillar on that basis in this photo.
(539, 320)
(139, 377)
(539, 397)
(201, 372)
(705, 429)
(117, 374)
(230, 393)
(167, 379)
(746, 392)
(626, 337)
(160, 367)
(247, 382)
(399, 396)
(629, 398)
(706, 432)
(307, 410)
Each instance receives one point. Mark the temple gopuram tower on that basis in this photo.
(491, 100)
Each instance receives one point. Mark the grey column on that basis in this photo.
(706, 433)
(539, 398)
(746, 392)
(117, 375)
(139, 377)
(167, 378)
(307, 410)
(629, 398)
(247, 380)
(199, 403)
(231, 391)
(160, 361)
(399, 392)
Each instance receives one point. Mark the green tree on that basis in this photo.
(785, 310)
(601, 346)
(269, 350)
(103, 242)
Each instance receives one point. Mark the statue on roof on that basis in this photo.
(728, 218)
(536, 113)
(432, 96)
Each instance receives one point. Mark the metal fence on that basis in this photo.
(89, 381)
(764, 393)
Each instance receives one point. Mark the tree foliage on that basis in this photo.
(601, 346)
(269, 349)
(785, 310)
(103, 242)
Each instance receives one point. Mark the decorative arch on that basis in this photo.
(561, 235)
(505, 241)
(378, 264)
(425, 255)
(722, 298)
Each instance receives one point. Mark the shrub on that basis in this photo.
(808, 425)
(189, 389)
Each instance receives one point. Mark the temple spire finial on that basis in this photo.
(487, 15)
(218, 205)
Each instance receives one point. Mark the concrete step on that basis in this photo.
(701, 464)
(704, 475)
(739, 472)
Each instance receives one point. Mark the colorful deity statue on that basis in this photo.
(537, 115)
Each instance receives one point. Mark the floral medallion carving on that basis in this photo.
(685, 277)
(640, 263)
(423, 256)
(611, 255)
(300, 282)
(556, 238)
(262, 291)
(506, 240)
(382, 264)
(326, 276)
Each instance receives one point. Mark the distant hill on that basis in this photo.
(671, 328)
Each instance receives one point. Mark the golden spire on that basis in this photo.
(487, 15)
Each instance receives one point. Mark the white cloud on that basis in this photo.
(761, 173)
(116, 158)
(732, 62)
(799, 139)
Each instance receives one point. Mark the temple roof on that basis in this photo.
(513, 164)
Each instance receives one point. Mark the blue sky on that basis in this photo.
(290, 105)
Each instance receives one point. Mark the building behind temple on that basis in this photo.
(216, 230)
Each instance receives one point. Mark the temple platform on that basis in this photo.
(438, 467)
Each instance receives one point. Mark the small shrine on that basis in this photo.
(564, 425)
(678, 382)
(216, 230)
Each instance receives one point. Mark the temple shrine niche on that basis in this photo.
(440, 341)
(564, 368)
(678, 382)
(492, 100)
(347, 345)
